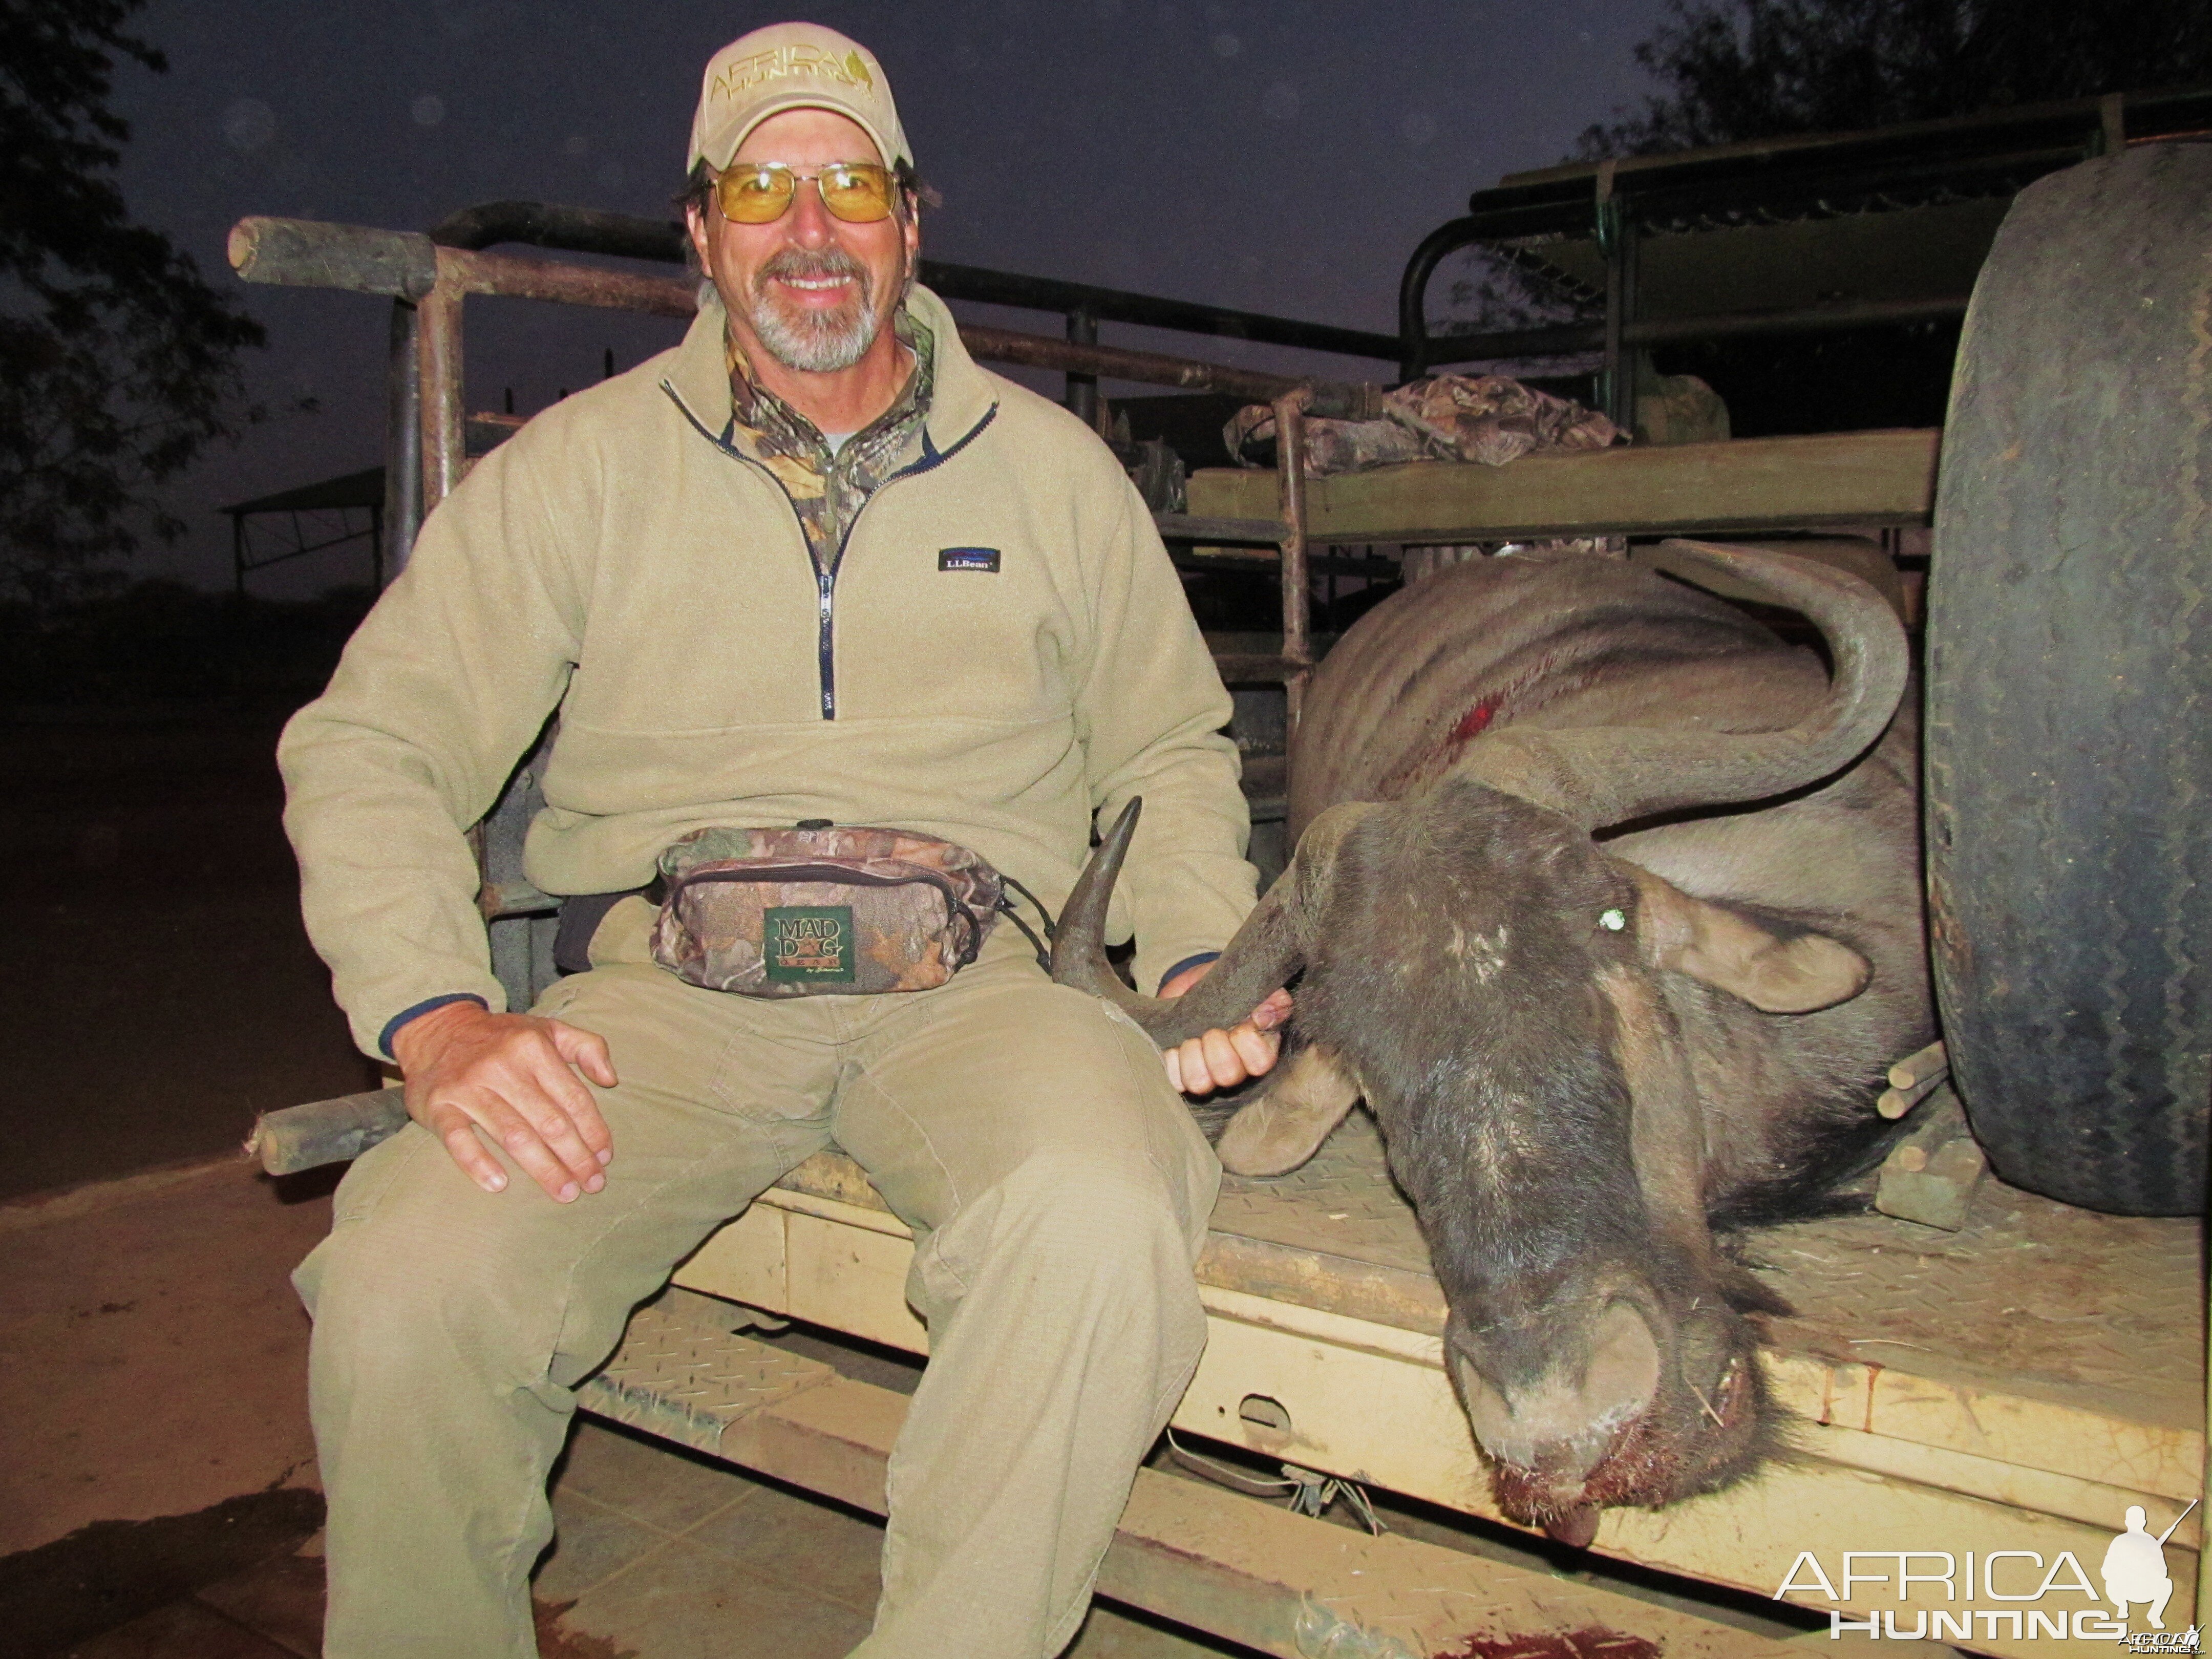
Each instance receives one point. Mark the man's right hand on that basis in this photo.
(508, 1078)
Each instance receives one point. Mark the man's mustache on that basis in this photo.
(798, 265)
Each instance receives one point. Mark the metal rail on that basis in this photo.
(1570, 339)
(572, 229)
(430, 282)
(1108, 305)
(1346, 400)
(434, 280)
(587, 230)
(1618, 202)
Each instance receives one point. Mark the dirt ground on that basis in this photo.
(157, 990)
(176, 1346)
(159, 1497)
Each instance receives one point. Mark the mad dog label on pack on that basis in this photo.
(821, 909)
(809, 944)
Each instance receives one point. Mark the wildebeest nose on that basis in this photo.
(1562, 1423)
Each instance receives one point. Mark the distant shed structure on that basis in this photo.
(293, 523)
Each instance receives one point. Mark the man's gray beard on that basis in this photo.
(815, 344)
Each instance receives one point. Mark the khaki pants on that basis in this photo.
(1059, 1192)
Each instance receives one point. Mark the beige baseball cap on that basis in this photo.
(791, 66)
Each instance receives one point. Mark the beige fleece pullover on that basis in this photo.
(1004, 651)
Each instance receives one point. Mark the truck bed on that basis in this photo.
(2014, 1386)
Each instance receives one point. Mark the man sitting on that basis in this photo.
(813, 563)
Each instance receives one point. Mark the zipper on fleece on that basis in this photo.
(825, 576)
(825, 587)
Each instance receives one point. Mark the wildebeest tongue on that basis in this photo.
(1576, 1526)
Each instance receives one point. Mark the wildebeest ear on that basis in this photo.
(1287, 1123)
(1733, 953)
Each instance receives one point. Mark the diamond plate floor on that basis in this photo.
(679, 1376)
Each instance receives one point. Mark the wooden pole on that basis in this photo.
(1911, 1080)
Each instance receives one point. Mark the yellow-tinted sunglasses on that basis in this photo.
(761, 192)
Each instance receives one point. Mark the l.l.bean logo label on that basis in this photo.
(809, 944)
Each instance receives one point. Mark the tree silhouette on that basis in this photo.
(118, 363)
(1739, 70)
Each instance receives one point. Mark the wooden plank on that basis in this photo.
(1238, 1567)
(744, 1262)
(1267, 530)
(2016, 1485)
(2097, 1440)
(835, 1443)
(2085, 1435)
(844, 1265)
(1391, 1418)
(1752, 1535)
(1243, 1570)
(1246, 668)
(1752, 484)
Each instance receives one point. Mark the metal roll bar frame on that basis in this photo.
(432, 270)
(1620, 203)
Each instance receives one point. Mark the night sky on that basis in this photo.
(1279, 157)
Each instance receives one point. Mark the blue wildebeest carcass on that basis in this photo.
(1606, 901)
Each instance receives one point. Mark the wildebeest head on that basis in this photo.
(1488, 978)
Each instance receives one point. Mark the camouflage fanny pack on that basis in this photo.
(822, 911)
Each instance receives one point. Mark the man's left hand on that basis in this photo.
(1222, 1060)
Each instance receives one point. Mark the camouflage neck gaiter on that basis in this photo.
(828, 491)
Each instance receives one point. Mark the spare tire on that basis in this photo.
(2069, 689)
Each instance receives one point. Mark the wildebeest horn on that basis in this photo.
(1261, 958)
(1610, 775)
